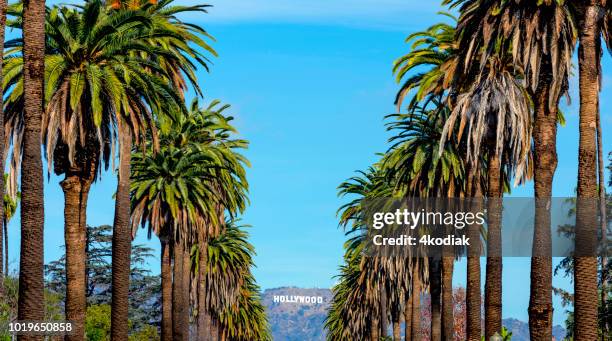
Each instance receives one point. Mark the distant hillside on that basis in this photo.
(520, 330)
(296, 321)
(292, 321)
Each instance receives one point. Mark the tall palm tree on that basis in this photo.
(173, 70)
(10, 207)
(229, 282)
(85, 83)
(591, 17)
(172, 194)
(31, 304)
(3, 10)
(122, 239)
(436, 49)
(541, 36)
(178, 190)
(420, 171)
(368, 282)
(411, 167)
(495, 114)
(339, 324)
(247, 319)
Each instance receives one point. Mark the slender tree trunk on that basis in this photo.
(545, 164)
(215, 330)
(473, 296)
(122, 241)
(6, 248)
(3, 5)
(76, 187)
(166, 282)
(435, 286)
(603, 222)
(178, 323)
(448, 321)
(375, 329)
(396, 317)
(407, 316)
(416, 304)
(493, 283)
(204, 318)
(31, 302)
(383, 311)
(585, 262)
(187, 290)
(2, 271)
(397, 329)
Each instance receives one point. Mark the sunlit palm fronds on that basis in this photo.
(435, 49)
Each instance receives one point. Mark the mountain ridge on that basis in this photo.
(291, 320)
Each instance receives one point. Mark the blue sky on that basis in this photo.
(309, 83)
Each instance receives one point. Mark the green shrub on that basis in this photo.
(98, 323)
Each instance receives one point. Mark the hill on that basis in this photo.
(292, 318)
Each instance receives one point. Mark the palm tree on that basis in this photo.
(121, 235)
(343, 321)
(3, 10)
(31, 304)
(507, 118)
(247, 320)
(178, 190)
(369, 283)
(541, 37)
(171, 193)
(495, 114)
(85, 83)
(435, 48)
(420, 171)
(229, 283)
(592, 16)
(10, 207)
(122, 239)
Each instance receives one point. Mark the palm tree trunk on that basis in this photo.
(6, 247)
(375, 329)
(603, 219)
(166, 282)
(585, 264)
(545, 164)
(187, 291)
(396, 322)
(407, 318)
(215, 331)
(448, 321)
(204, 318)
(397, 330)
(31, 302)
(493, 283)
(383, 310)
(416, 304)
(435, 286)
(473, 297)
(178, 323)
(76, 187)
(122, 241)
(3, 272)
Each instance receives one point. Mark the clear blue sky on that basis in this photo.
(309, 83)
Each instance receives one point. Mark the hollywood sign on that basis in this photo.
(298, 299)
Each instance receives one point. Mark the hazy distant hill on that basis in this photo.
(520, 330)
(304, 322)
(296, 321)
